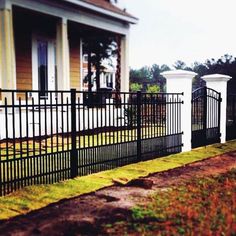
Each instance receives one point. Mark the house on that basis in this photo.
(41, 49)
(41, 42)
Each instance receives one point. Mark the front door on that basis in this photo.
(44, 66)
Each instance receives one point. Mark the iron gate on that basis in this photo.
(206, 105)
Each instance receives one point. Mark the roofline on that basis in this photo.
(130, 19)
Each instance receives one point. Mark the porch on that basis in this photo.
(42, 45)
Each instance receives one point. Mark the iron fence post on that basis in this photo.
(219, 117)
(139, 138)
(233, 110)
(74, 152)
(205, 114)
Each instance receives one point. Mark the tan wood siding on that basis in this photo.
(23, 60)
(75, 63)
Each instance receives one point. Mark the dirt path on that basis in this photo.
(83, 215)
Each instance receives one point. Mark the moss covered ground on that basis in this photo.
(201, 206)
(36, 197)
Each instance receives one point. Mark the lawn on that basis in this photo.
(202, 206)
(38, 196)
(53, 144)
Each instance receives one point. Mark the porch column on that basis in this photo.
(7, 49)
(124, 47)
(219, 82)
(180, 81)
(63, 59)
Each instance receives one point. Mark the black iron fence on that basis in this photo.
(231, 117)
(69, 133)
(206, 106)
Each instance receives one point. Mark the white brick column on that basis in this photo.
(124, 63)
(219, 82)
(180, 81)
(7, 49)
(63, 56)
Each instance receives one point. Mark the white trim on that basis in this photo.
(81, 63)
(216, 78)
(51, 61)
(51, 65)
(72, 14)
(34, 63)
(124, 85)
(89, 6)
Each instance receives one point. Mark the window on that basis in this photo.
(85, 58)
(43, 67)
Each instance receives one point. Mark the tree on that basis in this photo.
(156, 75)
(149, 75)
(224, 65)
(200, 69)
(98, 48)
(179, 65)
(137, 75)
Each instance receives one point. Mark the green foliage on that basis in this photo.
(224, 65)
(134, 87)
(130, 114)
(144, 72)
(139, 213)
(153, 88)
(151, 75)
(179, 65)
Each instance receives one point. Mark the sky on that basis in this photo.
(187, 30)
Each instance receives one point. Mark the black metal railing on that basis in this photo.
(231, 117)
(46, 140)
(206, 106)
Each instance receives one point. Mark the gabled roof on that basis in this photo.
(107, 8)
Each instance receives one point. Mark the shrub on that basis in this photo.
(134, 87)
(153, 88)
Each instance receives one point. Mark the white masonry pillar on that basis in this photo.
(219, 82)
(124, 63)
(180, 81)
(7, 48)
(63, 58)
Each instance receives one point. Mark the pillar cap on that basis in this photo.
(216, 78)
(179, 74)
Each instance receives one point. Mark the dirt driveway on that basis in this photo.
(83, 215)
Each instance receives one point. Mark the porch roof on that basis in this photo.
(105, 7)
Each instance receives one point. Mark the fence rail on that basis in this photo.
(71, 133)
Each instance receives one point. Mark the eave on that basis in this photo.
(126, 18)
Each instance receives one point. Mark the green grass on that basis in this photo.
(35, 197)
(54, 144)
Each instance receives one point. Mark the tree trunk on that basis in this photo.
(98, 74)
(89, 73)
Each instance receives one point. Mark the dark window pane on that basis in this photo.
(43, 67)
